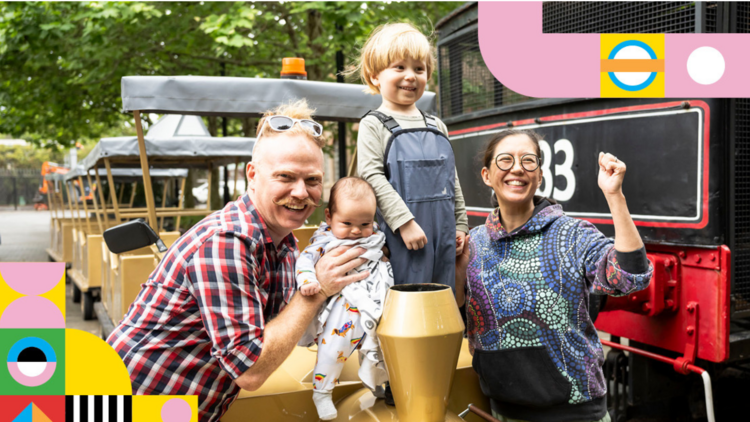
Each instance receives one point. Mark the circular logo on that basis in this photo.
(632, 81)
(31, 361)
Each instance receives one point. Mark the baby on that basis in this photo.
(350, 318)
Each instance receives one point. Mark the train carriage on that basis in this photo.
(686, 188)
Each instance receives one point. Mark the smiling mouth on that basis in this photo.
(516, 183)
(406, 88)
(295, 207)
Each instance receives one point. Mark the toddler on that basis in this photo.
(407, 158)
(351, 317)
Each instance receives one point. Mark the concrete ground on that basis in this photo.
(24, 236)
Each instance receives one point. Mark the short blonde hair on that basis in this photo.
(389, 43)
(295, 109)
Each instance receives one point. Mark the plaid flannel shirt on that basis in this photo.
(197, 323)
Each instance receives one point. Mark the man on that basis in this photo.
(218, 313)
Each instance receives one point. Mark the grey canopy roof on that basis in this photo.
(250, 97)
(123, 174)
(173, 141)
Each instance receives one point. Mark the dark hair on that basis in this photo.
(489, 153)
(356, 186)
(492, 144)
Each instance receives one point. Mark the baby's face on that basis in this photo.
(352, 219)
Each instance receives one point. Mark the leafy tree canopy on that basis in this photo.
(61, 63)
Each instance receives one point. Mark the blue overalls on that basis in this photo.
(420, 165)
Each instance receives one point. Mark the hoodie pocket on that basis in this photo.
(524, 376)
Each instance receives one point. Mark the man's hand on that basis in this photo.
(331, 270)
(460, 242)
(413, 235)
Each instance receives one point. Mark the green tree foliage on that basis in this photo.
(61, 63)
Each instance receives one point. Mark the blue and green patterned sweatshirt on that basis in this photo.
(535, 348)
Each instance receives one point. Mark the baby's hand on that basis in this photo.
(310, 289)
(413, 235)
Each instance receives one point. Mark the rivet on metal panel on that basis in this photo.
(691, 308)
(690, 330)
(634, 298)
(646, 307)
(681, 254)
(538, 120)
(669, 303)
(713, 257)
(697, 258)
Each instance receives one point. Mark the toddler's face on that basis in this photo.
(402, 83)
(352, 219)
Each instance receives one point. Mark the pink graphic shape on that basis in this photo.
(535, 64)
(32, 312)
(176, 410)
(532, 63)
(32, 278)
(28, 381)
(733, 84)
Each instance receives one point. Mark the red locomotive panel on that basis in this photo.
(665, 315)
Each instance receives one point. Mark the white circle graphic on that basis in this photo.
(706, 65)
(632, 78)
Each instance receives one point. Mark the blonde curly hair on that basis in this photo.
(389, 43)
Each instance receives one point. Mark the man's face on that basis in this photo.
(284, 181)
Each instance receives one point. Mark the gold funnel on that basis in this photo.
(420, 334)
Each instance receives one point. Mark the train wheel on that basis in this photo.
(87, 306)
(76, 294)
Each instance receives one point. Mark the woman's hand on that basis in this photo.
(413, 235)
(462, 262)
(611, 174)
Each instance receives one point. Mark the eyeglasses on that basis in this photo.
(505, 162)
(284, 123)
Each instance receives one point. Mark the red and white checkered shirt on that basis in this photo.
(198, 322)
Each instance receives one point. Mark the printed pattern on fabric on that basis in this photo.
(351, 317)
(531, 288)
(197, 323)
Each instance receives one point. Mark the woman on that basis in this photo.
(528, 273)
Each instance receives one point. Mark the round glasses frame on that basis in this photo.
(528, 166)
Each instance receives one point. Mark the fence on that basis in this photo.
(19, 187)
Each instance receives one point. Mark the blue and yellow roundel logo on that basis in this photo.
(633, 50)
(31, 361)
(632, 65)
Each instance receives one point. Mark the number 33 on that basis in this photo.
(565, 170)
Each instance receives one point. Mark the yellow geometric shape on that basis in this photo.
(92, 367)
(609, 88)
(7, 295)
(56, 295)
(148, 408)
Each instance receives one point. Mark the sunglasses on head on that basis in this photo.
(284, 123)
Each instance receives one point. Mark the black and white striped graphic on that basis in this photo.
(98, 408)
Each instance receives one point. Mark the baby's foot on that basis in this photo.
(324, 404)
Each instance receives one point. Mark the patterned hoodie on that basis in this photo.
(535, 348)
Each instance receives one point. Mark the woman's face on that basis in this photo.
(514, 186)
